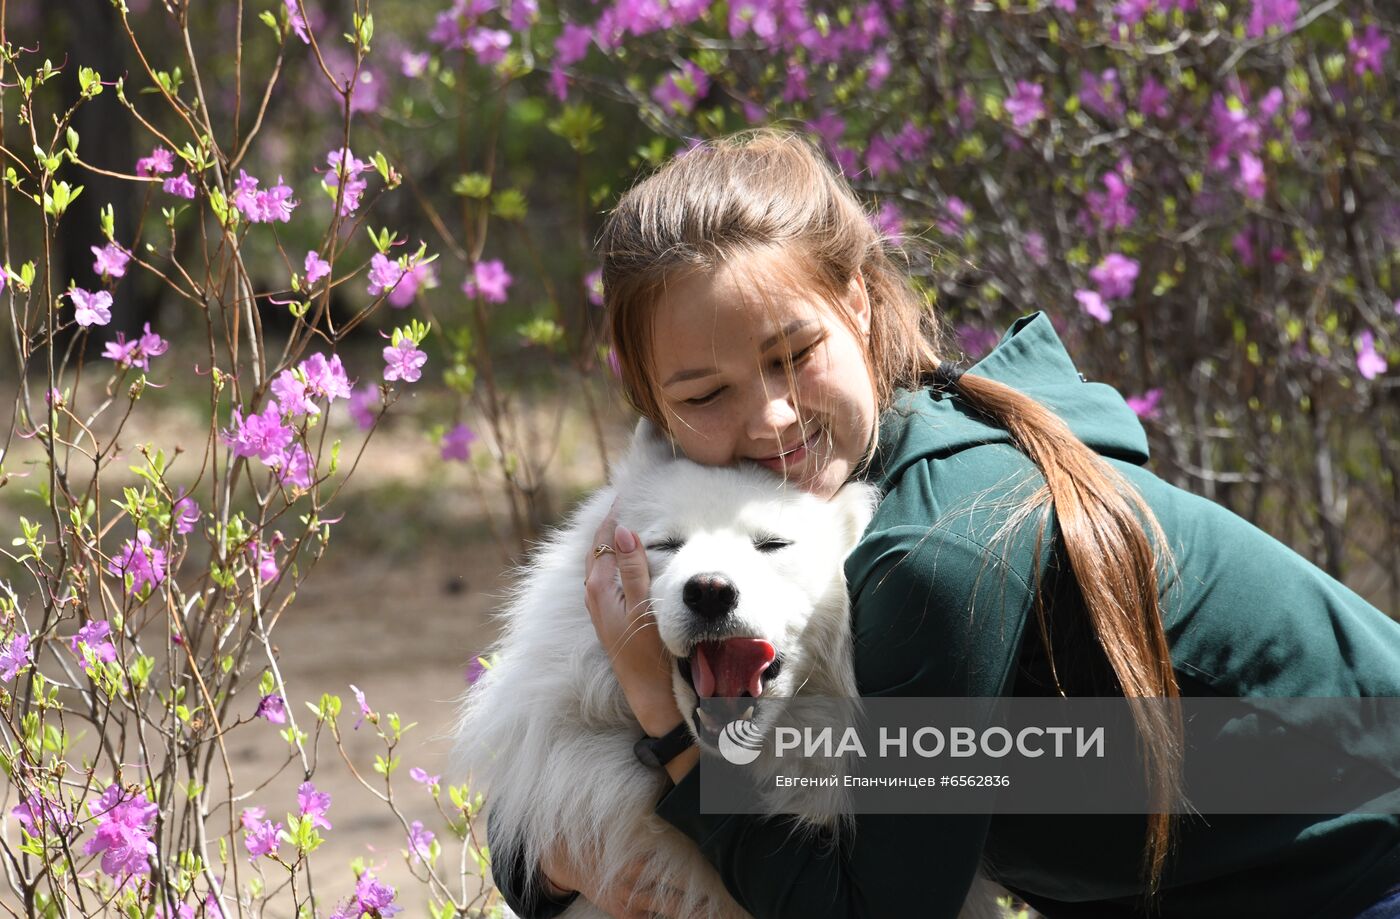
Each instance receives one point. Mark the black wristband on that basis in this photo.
(656, 752)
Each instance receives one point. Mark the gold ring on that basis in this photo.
(602, 549)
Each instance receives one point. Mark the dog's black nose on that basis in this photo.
(710, 596)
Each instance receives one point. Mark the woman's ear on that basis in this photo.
(860, 304)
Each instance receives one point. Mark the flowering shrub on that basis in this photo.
(1202, 194)
(137, 611)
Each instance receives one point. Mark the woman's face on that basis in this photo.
(784, 382)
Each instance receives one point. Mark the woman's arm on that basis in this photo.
(528, 894)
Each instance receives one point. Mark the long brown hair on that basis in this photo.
(752, 191)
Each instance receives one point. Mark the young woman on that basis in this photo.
(1020, 549)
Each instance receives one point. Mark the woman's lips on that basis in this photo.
(785, 462)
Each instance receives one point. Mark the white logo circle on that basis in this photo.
(740, 742)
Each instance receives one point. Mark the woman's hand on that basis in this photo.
(626, 629)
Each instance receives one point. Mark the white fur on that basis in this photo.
(546, 732)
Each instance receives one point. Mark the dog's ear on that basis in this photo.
(857, 502)
(650, 445)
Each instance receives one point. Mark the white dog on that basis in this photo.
(749, 595)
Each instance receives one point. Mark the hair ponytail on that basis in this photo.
(1112, 540)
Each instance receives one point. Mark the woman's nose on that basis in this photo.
(773, 415)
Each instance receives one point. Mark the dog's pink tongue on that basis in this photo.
(729, 668)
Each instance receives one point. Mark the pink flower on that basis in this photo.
(136, 353)
(419, 275)
(1093, 304)
(1369, 362)
(265, 560)
(266, 206)
(315, 267)
(158, 163)
(881, 158)
(457, 443)
(262, 435)
(363, 402)
(297, 21)
(125, 822)
(420, 842)
(294, 468)
(679, 90)
(185, 513)
(413, 64)
(1099, 93)
(889, 222)
(422, 777)
(593, 286)
(36, 813)
(346, 169)
(572, 44)
(14, 657)
(957, 214)
(365, 711)
(144, 562)
(522, 13)
(489, 45)
(314, 804)
(95, 636)
(1146, 405)
(1115, 276)
(262, 837)
(1368, 51)
(489, 280)
(1266, 14)
(273, 708)
(1034, 246)
(1154, 100)
(89, 308)
(180, 186)
(1024, 105)
(290, 389)
(1251, 182)
(384, 274)
(325, 377)
(372, 896)
(1110, 207)
(111, 260)
(476, 669)
(121, 350)
(404, 361)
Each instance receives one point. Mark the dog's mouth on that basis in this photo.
(728, 677)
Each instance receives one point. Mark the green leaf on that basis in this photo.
(509, 204)
(577, 124)
(472, 185)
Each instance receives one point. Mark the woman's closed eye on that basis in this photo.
(797, 357)
(705, 399)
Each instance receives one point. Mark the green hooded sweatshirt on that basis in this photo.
(941, 596)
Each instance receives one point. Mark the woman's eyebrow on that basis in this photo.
(787, 331)
(682, 375)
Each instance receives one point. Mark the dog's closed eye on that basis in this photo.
(770, 543)
(670, 544)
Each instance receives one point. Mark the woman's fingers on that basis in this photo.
(636, 579)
